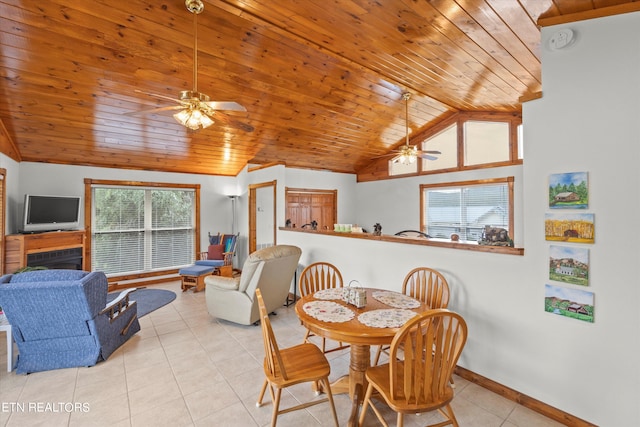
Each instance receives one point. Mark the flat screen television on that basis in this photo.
(50, 213)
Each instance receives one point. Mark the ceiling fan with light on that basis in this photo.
(196, 108)
(408, 154)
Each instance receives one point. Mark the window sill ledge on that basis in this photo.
(443, 243)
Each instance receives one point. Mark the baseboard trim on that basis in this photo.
(115, 286)
(524, 400)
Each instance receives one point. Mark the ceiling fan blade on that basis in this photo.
(396, 159)
(154, 110)
(232, 123)
(224, 105)
(385, 155)
(427, 156)
(156, 95)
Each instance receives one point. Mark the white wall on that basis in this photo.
(53, 179)
(587, 121)
(304, 178)
(344, 183)
(297, 178)
(13, 196)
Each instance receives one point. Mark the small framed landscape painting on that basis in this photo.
(569, 190)
(569, 265)
(574, 303)
(569, 227)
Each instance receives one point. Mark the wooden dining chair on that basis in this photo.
(420, 382)
(316, 277)
(427, 286)
(290, 366)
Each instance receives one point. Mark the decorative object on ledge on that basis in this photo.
(495, 236)
(287, 223)
(413, 233)
(435, 242)
(377, 229)
(455, 237)
(313, 224)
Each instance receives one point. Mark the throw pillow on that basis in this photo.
(215, 252)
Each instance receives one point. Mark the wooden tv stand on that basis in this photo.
(19, 246)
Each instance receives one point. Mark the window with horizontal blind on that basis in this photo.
(141, 229)
(466, 208)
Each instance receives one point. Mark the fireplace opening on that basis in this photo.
(70, 259)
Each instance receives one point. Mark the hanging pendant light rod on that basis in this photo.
(195, 51)
(196, 7)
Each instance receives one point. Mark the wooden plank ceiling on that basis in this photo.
(322, 81)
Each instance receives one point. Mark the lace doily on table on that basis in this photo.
(394, 299)
(331, 293)
(386, 318)
(328, 311)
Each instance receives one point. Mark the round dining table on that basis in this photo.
(325, 314)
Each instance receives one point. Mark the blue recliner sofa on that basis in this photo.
(61, 319)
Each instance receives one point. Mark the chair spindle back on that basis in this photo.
(427, 285)
(318, 276)
(273, 358)
(431, 343)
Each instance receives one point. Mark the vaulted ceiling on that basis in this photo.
(322, 80)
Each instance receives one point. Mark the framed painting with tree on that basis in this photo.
(569, 190)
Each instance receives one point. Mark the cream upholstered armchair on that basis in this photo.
(270, 269)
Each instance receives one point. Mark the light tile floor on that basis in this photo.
(185, 368)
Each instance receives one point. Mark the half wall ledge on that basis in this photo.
(443, 243)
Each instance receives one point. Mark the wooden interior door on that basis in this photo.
(304, 206)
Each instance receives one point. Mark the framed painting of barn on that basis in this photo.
(569, 190)
(573, 303)
(569, 227)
